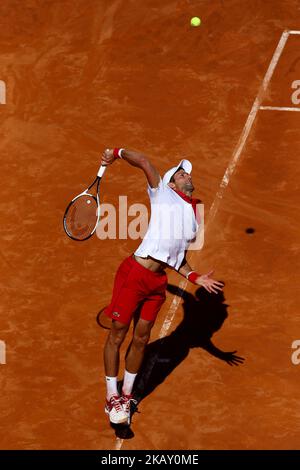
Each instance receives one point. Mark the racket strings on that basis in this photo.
(81, 218)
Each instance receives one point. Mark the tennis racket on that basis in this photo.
(82, 214)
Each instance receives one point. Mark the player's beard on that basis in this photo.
(189, 187)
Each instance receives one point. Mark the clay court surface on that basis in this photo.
(84, 75)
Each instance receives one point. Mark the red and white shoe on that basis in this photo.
(127, 401)
(115, 410)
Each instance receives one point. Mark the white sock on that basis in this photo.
(111, 387)
(128, 382)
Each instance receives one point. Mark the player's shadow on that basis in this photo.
(204, 314)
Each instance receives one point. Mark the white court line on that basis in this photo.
(119, 443)
(229, 171)
(172, 310)
(278, 108)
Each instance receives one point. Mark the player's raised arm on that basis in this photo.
(135, 159)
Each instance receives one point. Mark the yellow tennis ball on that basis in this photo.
(195, 21)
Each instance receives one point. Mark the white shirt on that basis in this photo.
(172, 227)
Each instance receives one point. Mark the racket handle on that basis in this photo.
(101, 171)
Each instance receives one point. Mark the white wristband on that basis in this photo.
(120, 153)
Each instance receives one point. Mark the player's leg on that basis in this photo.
(148, 313)
(133, 362)
(139, 342)
(114, 340)
(124, 302)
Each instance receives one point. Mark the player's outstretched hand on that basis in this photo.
(209, 284)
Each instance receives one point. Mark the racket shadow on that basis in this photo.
(103, 320)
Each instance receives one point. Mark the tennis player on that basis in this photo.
(141, 280)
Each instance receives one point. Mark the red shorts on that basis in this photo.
(136, 286)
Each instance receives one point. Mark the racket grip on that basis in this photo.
(101, 171)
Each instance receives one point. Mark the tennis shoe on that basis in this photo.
(127, 402)
(115, 410)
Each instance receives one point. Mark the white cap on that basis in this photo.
(185, 164)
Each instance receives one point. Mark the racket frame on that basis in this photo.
(96, 198)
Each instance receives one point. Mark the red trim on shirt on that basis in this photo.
(190, 200)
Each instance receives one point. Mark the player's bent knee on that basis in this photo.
(141, 341)
(116, 338)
